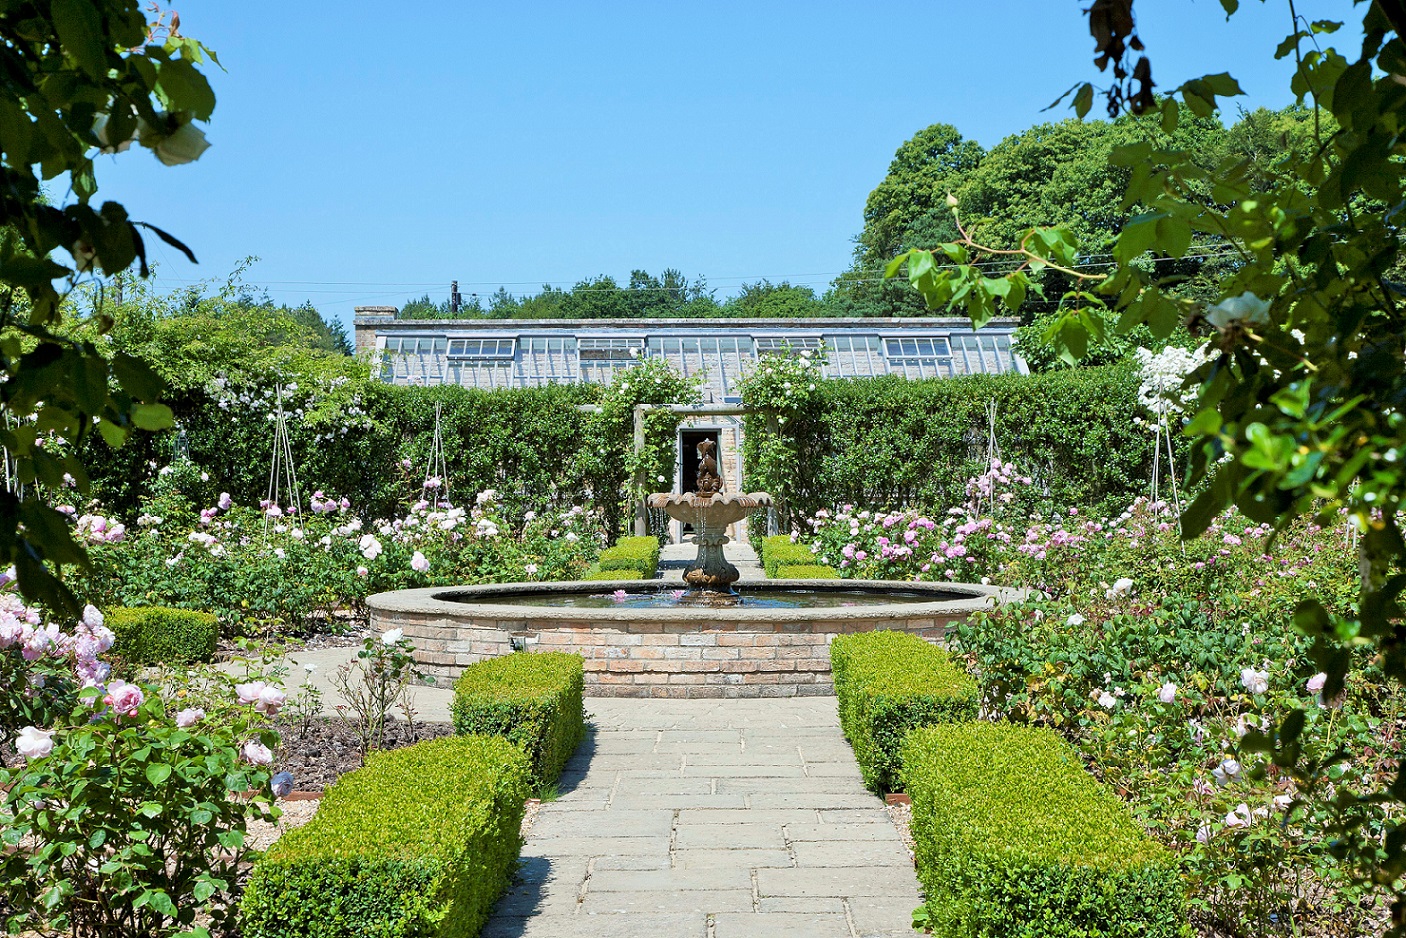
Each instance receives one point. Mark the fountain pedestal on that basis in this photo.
(710, 576)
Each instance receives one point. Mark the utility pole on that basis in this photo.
(455, 299)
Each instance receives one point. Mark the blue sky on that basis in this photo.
(369, 153)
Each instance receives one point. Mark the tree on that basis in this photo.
(907, 209)
(765, 300)
(1300, 407)
(81, 77)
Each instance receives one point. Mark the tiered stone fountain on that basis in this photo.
(710, 511)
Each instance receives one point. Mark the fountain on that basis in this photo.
(650, 639)
(710, 511)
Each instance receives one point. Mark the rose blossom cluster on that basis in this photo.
(95, 529)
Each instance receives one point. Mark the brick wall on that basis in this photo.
(655, 659)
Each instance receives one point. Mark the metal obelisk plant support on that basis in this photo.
(283, 474)
(436, 483)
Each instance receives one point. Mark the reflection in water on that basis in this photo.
(750, 599)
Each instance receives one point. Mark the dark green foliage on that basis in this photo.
(421, 842)
(1014, 837)
(532, 700)
(898, 442)
(159, 635)
(778, 550)
(887, 684)
(807, 571)
(637, 554)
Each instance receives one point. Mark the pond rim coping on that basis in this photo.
(429, 601)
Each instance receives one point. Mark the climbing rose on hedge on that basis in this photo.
(1256, 682)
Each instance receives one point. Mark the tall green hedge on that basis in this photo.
(1014, 837)
(778, 551)
(158, 634)
(422, 841)
(887, 684)
(890, 441)
(533, 700)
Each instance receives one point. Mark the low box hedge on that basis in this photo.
(632, 553)
(778, 551)
(887, 683)
(807, 571)
(422, 841)
(534, 700)
(1014, 837)
(157, 634)
(595, 575)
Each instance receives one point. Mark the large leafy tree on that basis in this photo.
(79, 78)
(1302, 403)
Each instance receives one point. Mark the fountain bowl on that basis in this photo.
(675, 650)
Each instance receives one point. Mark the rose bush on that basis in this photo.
(127, 814)
(301, 569)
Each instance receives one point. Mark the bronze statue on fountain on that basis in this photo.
(709, 510)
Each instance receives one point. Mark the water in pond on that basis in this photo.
(750, 599)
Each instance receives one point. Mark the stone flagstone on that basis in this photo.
(711, 819)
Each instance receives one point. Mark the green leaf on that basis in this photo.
(1173, 235)
(80, 30)
(186, 88)
(1230, 6)
(1170, 114)
(1084, 100)
(1206, 423)
(152, 416)
(158, 772)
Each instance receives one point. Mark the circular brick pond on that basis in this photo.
(636, 646)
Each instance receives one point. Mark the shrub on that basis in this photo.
(778, 551)
(611, 575)
(1014, 837)
(157, 634)
(807, 571)
(534, 700)
(422, 841)
(130, 819)
(632, 553)
(887, 683)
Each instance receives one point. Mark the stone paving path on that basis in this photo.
(711, 819)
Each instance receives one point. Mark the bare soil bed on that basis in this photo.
(325, 749)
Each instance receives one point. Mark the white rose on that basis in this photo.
(1246, 308)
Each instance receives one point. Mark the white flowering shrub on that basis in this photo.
(275, 565)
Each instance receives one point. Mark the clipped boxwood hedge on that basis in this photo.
(632, 553)
(887, 683)
(778, 551)
(594, 575)
(533, 700)
(157, 634)
(807, 571)
(422, 841)
(1014, 837)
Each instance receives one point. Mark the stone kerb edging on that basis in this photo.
(685, 652)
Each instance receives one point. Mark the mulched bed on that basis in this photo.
(329, 748)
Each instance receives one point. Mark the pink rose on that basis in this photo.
(256, 753)
(270, 700)
(249, 693)
(282, 784)
(1315, 683)
(189, 717)
(124, 698)
(419, 564)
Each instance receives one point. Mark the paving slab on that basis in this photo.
(697, 818)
